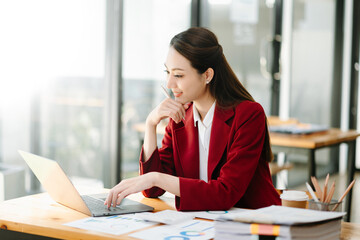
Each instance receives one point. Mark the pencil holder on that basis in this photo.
(334, 205)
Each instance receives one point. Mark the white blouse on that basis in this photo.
(204, 130)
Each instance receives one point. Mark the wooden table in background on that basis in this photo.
(308, 143)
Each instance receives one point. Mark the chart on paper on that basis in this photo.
(189, 230)
(116, 225)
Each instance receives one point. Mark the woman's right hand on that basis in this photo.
(167, 108)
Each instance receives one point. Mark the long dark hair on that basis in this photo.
(201, 47)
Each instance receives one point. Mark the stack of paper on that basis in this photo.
(282, 222)
(298, 128)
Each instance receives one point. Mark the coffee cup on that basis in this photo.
(292, 198)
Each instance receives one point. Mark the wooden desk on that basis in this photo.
(309, 143)
(40, 216)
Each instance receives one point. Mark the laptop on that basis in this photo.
(61, 189)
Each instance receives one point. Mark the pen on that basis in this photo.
(165, 92)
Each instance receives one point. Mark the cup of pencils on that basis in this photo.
(333, 205)
(322, 200)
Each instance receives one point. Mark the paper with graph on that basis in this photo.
(189, 230)
(116, 225)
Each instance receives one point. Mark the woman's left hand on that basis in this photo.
(130, 186)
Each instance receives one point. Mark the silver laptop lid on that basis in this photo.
(55, 182)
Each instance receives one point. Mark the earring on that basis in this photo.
(207, 82)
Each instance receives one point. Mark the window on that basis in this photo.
(147, 33)
(52, 83)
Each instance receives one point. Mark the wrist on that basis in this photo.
(150, 123)
(156, 179)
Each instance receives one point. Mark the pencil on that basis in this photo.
(167, 95)
(325, 188)
(317, 187)
(165, 92)
(331, 193)
(311, 192)
(313, 195)
(344, 194)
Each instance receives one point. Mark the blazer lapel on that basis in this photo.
(187, 142)
(219, 136)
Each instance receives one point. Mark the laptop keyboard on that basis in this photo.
(97, 207)
(93, 203)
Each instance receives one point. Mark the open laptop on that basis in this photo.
(61, 189)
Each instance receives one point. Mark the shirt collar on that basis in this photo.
(208, 118)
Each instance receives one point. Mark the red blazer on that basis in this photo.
(238, 173)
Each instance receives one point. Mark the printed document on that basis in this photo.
(117, 225)
(189, 230)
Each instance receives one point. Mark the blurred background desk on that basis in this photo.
(308, 143)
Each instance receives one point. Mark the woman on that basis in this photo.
(216, 148)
